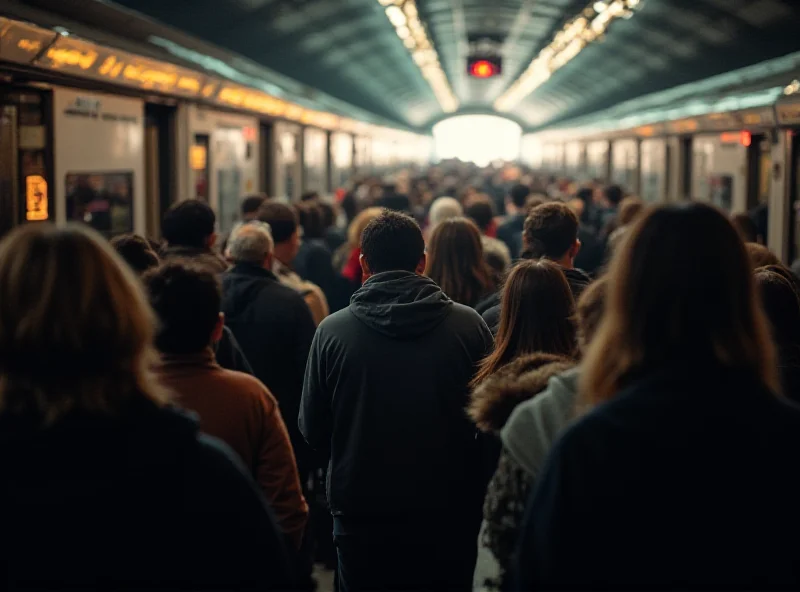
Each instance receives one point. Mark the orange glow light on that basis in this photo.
(747, 138)
(483, 69)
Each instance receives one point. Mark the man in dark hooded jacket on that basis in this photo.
(551, 232)
(385, 390)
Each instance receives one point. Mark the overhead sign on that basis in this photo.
(89, 60)
(21, 43)
(36, 198)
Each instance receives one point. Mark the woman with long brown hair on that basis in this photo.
(104, 484)
(536, 316)
(456, 263)
(683, 473)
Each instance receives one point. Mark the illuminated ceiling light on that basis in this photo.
(404, 16)
(566, 44)
(396, 16)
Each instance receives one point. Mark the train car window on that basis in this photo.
(103, 200)
(198, 157)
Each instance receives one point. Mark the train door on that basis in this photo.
(794, 195)
(288, 167)
(159, 140)
(759, 169)
(25, 158)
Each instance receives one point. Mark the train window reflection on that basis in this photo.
(104, 200)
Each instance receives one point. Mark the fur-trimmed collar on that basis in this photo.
(492, 401)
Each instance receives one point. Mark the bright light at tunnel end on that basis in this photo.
(481, 139)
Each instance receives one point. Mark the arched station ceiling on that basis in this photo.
(349, 48)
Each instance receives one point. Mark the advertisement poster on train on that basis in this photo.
(230, 189)
(104, 201)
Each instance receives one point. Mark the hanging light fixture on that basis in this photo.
(590, 25)
(404, 16)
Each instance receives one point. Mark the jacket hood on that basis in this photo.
(578, 281)
(400, 304)
(493, 401)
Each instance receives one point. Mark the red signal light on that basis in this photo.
(746, 139)
(483, 69)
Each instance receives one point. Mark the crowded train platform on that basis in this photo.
(399, 295)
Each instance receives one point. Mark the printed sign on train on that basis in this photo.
(36, 198)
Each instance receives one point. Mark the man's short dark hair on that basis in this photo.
(187, 299)
(310, 216)
(519, 195)
(614, 194)
(251, 203)
(281, 218)
(392, 242)
(309, 196)
(136, 252)
(328, 214)
(481, 212)
(550, 230)
(188, 223)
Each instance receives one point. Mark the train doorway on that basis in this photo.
(159, 139)
(25, 158)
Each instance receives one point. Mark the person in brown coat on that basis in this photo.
(235, 407)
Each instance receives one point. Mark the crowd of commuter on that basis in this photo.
(450, 379)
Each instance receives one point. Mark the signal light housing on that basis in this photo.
(484, 67)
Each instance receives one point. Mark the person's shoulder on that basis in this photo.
(465, 316)
(337, 321)
(246, 387)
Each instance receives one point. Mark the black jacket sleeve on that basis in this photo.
(315, 419)
(230, 355)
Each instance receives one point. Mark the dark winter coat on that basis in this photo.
(385, 392)
(687, 479)
(492, 403)
(510, 232)
(136, 501)
(274, 328)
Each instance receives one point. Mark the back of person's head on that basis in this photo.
(630, 209)
(359, 223)
(251, 243)
(534, 201)
(328, 213)
(310, 217)
(481, 212)
(455, 261)
(589, 310)
(396, 202)
(136, 251)
(550, 231)
(444, 208)
(779, 299)
(746, 227)
(250, 205)
(392, 242)
(519, 195)
(578, 206)
(189, 223)
(536, 315)
(680, 291)
(350, 206)
(614, 195)
(282, 220)
(187, 299)
(760, 255)
(309, 196)
(76, 329)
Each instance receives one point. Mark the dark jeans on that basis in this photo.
(404, 555)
